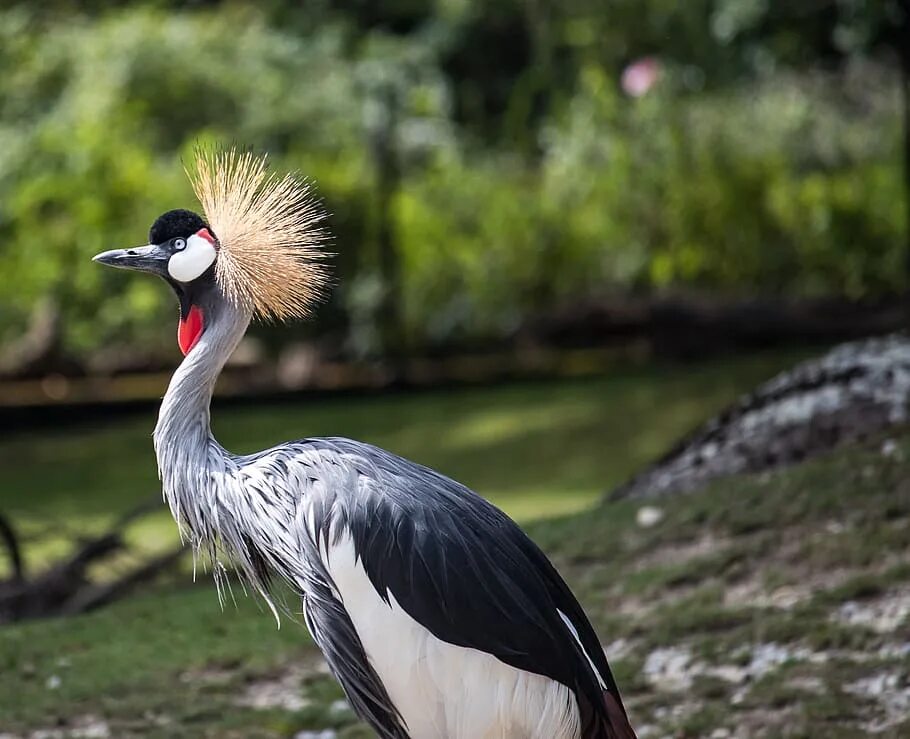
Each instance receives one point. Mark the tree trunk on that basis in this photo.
(903, 51)
(388, 179)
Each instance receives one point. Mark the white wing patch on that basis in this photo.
(571, 627)
(193, 260)
(441, 689)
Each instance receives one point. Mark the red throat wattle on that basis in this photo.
(189, 330)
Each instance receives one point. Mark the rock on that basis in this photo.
(883, 615)
(283, 691)
(729, 673)
(766, 657)
(82, 727)
(852, 392)
(648, 516)
(90, 727)
(891, 690)
(670, 669)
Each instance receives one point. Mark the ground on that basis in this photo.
(772, 605)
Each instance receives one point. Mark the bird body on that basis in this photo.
(435, 612)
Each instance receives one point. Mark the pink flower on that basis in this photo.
(640, 76)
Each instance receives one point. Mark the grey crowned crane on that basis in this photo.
(435, 612)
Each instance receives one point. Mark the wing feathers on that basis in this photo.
(462, 569)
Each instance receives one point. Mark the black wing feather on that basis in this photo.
(464, 570)
(335, 634)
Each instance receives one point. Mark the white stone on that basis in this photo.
(648, 516)
(883, 615)
(670, 669)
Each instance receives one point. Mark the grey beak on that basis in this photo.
(151, 258)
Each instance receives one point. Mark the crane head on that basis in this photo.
(182, 250)
(259, 245)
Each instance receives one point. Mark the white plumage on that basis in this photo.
(442, 690)
(196, 256)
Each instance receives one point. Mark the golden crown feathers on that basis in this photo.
(271, 239)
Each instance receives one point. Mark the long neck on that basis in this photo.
(188, 455)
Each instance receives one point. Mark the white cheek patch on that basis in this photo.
(196, 258)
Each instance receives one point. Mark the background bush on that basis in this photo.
(766, 158)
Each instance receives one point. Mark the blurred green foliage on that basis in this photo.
(767, 156)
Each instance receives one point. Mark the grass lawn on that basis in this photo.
(769, 605)
(535, 449)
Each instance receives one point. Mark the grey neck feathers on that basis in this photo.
(191, 464)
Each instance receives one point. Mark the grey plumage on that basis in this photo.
(243, 510)
(435, 612)
(278, 511)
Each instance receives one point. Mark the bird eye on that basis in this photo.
(179, 244)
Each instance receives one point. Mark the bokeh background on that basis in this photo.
(483, 162)
(565, 233)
